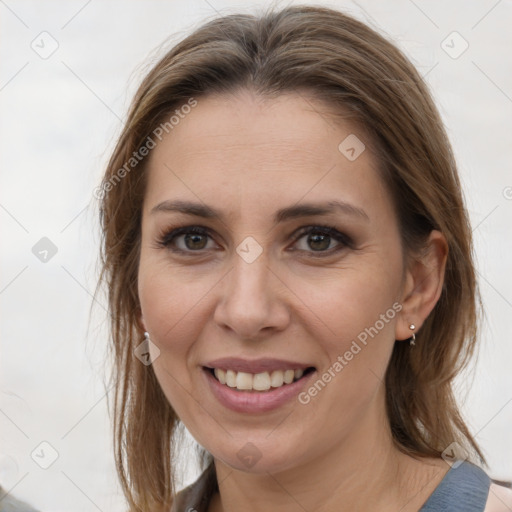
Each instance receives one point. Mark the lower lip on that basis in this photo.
(255, 401)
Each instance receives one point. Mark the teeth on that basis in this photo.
(231, 378)
(243, 380)
(221, 375)
(288, 376)
(259, 382)
(277, 379)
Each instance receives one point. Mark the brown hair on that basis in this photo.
(352, 69)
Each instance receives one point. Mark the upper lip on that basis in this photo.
(255, 365)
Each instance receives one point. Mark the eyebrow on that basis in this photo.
(284, 214)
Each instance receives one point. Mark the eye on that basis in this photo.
(321, 239)
(186, 239)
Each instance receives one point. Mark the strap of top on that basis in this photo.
(464, 488)
(196, 497)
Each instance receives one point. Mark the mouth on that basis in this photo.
(258, 382)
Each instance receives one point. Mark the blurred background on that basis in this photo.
(68, 71)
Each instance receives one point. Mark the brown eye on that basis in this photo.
(323, 240)
(195, 241)
(186, 239)
(319, 242)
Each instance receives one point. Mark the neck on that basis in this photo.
(365, 471)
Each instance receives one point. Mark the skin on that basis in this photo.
(249, 157)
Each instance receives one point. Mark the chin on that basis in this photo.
(258, 455)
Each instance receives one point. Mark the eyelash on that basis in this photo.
(167, 238)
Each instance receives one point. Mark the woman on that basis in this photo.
(288, 260)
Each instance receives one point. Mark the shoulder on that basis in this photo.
(196, 496)
(499, 500)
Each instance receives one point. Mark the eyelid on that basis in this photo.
(329, 230)
(343, 241)
(167, 236)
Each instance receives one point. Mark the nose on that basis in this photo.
(253, 300)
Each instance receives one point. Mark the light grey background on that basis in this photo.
(59, 119)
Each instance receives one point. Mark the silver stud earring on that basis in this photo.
(412, 339)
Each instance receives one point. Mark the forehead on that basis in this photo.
(248, 149)
(294, 125)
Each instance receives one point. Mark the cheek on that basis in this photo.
(172, 300)
(356, 337)
(352, 299)
(355, 311)
(172, 306)
(175, 304)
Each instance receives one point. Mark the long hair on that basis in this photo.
(354, 70)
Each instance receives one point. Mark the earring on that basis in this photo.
(412, 339)
(146, 336)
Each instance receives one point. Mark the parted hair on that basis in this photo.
(353, 70)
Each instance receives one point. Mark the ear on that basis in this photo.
(423, 285)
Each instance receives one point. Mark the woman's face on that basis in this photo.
(259, 281)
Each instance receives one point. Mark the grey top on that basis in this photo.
(8, 503)
(463, 489)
